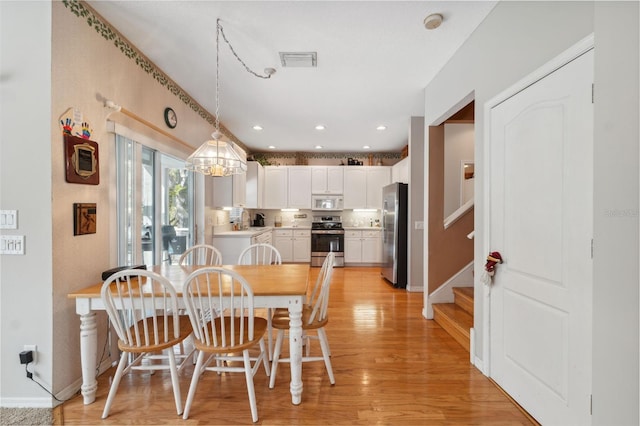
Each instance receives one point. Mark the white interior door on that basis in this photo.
(541, 221)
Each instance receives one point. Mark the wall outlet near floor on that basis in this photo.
(34, 350)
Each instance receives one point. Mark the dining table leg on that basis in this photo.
(295, 348)
(88, 353)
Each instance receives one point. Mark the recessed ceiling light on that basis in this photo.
(320, 127)
(381, 127)
(366, 147)
(257, 127)
(318, 147)
(271, 147)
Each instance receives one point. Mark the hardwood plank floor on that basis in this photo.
(391, 366)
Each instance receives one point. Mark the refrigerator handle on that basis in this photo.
(384, 222)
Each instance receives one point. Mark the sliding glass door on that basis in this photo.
(155, 205)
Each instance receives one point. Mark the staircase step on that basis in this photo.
(464, 298)
(455, 320)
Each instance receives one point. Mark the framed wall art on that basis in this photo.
(82, 160)
(84, 218)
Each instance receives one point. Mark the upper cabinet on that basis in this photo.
(400, 171)
(292, 186)
(230, 191)
(255, 185)
(327, 179)
(363, 186)
(287, 187)
(299, 187)
(275, 187)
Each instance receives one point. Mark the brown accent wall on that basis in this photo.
(449, 249)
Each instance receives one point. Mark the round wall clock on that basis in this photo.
(170, 118)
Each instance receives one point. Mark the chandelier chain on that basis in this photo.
(224, 37)
(219, 28)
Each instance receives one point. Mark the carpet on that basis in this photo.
(26, 416)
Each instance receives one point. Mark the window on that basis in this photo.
(155, 205)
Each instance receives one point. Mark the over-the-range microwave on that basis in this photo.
(327, 202)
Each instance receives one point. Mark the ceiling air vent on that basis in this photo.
(299, 59)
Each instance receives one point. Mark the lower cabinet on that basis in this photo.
(263, 238)
(294, 245)
(363, 246)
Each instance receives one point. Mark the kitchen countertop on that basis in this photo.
(292, 227)
(251, 232)
(362, 228)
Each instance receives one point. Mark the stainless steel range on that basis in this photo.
(327, 235)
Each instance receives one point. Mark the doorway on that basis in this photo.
(540, 208)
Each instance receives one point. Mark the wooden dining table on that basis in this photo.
(274, 286)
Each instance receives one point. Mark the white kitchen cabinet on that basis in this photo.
(229, 191)
(294, 245)
(287, 187)
(327, 179)
(282, 241)
(363, 246)
(262, 238)
(377, 178)
(363, 186)
(355, 182)
(299, 194)
(400, 171)
(255, 185)
(276, 187)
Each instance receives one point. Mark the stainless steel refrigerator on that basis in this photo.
(394, 234)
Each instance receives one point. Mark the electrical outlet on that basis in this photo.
(33, 349)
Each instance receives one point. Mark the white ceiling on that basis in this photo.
(374, 59)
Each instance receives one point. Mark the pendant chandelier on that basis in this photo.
(218, 157)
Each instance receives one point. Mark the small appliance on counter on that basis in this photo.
(259, 220)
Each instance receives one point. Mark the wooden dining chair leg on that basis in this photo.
(248, 371)
(276, 356)
(326, 353)
(175, 380)
(197, 372)
(114, 385)
(265, 359)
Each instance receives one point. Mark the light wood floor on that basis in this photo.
(391, 366)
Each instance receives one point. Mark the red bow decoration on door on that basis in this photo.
(492, 260)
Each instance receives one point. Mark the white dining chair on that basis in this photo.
(314, 318)
(221, 339)
(143, 309)
(262, 254)
(201, 254)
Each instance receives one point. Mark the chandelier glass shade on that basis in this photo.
(218, 158)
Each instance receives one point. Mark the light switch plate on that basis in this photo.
(11, 244)
(419, 224)
(8, 219)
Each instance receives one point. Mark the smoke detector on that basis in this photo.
(299, 59)
(433, 21)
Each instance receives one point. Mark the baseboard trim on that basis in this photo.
(522, 410)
